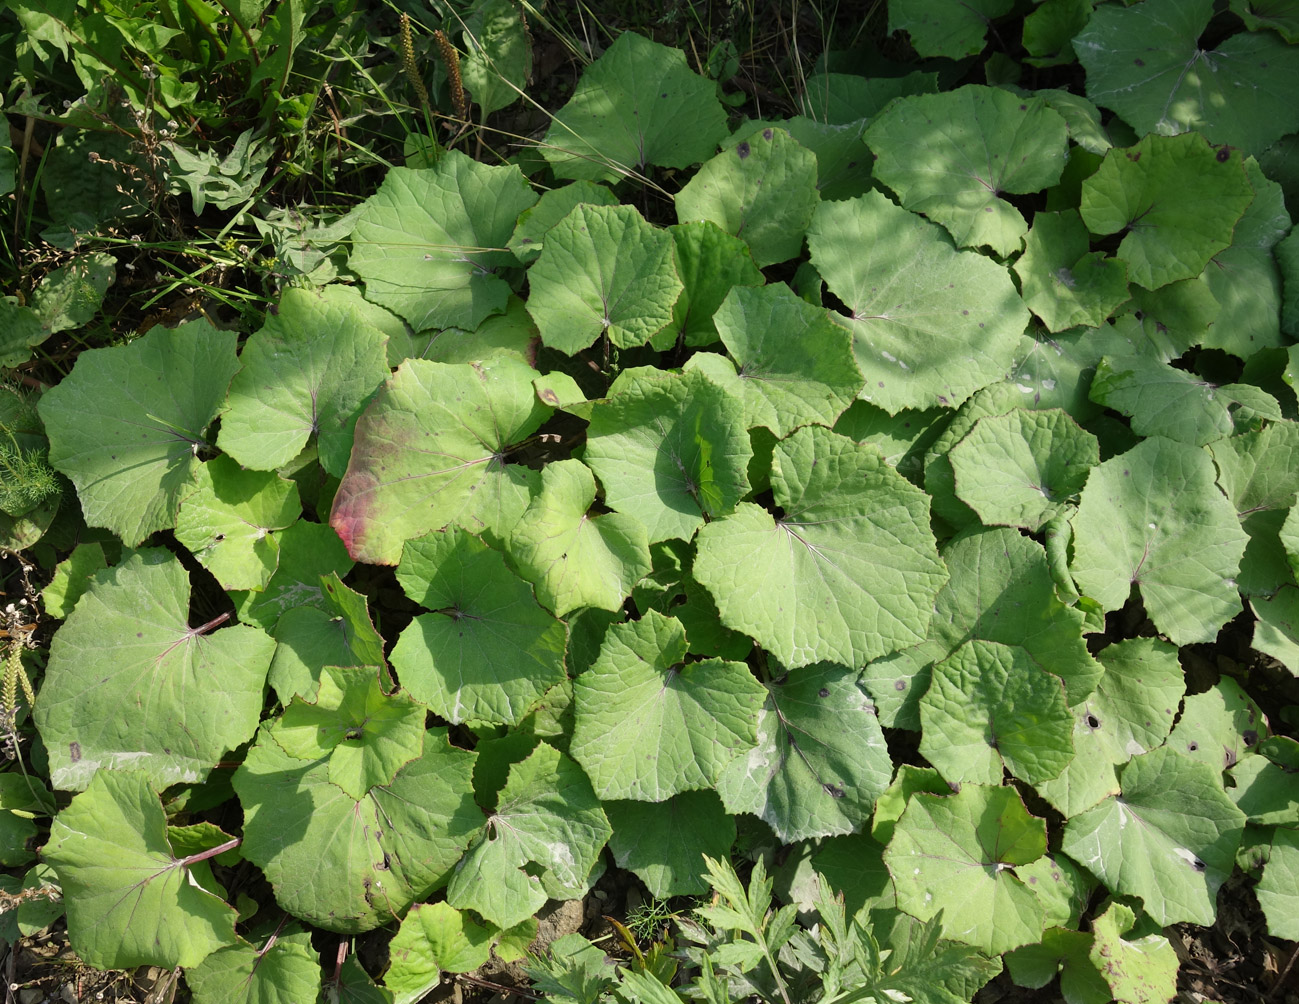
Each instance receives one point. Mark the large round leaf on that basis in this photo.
(664, 843)
(130, 900)
(1064, 283)
(347, 864)
(795, 364)
(952, 155)
(427, 244)
(1154, 518)
(1175, 199)
(638, 104)
(669, 450)
(574, 559)
(1170, 837)
(126, 424)
(306, 372)
(820, 761)
(849, 571)
(547, 821)
(1145, 62)
(603, 271)
(931, 325)
(230, 522)
(131, 684)
(951, 28)
(991, 706)
(762, 190)
(488, 652)
(649, 727)
(957, 854)
(430, 450)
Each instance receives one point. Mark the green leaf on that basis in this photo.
(1154, 518)
(467, 416)
(648, 726)
(669, 450)
(637, 105)
(951, 28)
(603, 271)
(1066, 952)
(1131, 711)
(1276, 632)
(1022, 468)
(306, 372)
(1219, 726)
(664, 843)
(428, 243)
(931, 325)
(923, 151)
(957, 854)
(548, 819)
(1280, 15)
(1278, 889)
(844, 98)
(1245, 279)
(534, 224)
(498, 64)
(20, 331)
(366, 735)
(1170, 837)
(71, 295)
(346, 864)
(126, 435)
(1141, 970)
(131, 684)
(989, 704)
(820, 762)
(72, 578)
(285, 970)
(487, 652)
(848, 573)
(762, 190)
(1145, 62)
(574, 559)
(710, 263)
(796, 365)
(1259, 471)
(434, 938)
(230, 522)
(309, 555)
(1001, 590)
(1163, 400)
(130, 901)
(1063, 282)
(308, 638)
(1176, 200)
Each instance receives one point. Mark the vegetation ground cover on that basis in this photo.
(826, 473)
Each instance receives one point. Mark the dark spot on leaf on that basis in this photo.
(1250, 737)
(833, 790)
(1092, 721)
(139, 634)
(1192, 746)
(74, 751)
(220, 537)
(899, 684)
(1138, 62)
(1224, 154)
(167, 751)
(1134, 157)
(1228, 758)
(742, 150)
(965, 313)
(550, 397)
(664, 94)
(355, 732)
(1199, 865)
(1023, 108)
(1032, 880)
(767, 134)
(823, 692)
